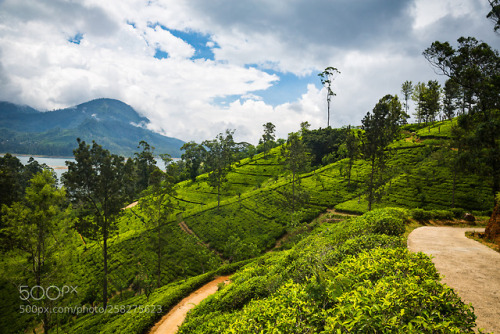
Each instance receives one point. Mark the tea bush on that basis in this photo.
(345, 277)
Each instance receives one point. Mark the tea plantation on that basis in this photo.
(352, 276)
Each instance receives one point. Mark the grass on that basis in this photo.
(255, 214)
(480, 237)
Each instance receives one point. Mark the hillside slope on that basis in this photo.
(253, 215)
(111, 123)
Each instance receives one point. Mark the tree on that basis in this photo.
(419, 97)
(296, 160)
(30, 225)
(494, 13)
(14, 179)
(145, 164)
(351, 147)
(327, 77)
(194, 156)
(323, 144)
(219, 157)
(451, 99)
(268, 137)
(11, 181)
(475, 67)
(407, 90)
(431, 101)
(398, 116)
(94, 182)
(380, 129)
(156, 204)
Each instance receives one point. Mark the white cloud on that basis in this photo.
(376, 44)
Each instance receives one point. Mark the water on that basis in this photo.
(59, 164)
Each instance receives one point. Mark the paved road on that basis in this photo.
(470, 268)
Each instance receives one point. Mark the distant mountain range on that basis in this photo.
(111, 123)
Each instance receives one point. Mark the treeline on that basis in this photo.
(32, 143)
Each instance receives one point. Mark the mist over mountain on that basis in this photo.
(111, 123)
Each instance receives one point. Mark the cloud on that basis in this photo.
(237, 52)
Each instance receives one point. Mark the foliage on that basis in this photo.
(324, 144)
(138, 314)
(296, 161)
(156, 206)
(112, 123)
(30, 226)
(327, 77)
(494, 13)
(95, 187)
(268, 137)
(340, 278)
(407, 91)
(193, 156)
(145, 165)
(380, 129)
(220, 155)
(474, 66)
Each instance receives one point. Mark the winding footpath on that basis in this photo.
(470, 268)
(173, 319)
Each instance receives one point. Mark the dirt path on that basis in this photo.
(173, 319)
(470, 268)
(131, 205)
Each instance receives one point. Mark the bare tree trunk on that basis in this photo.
(158, 283)
(105, 259)
(370, 193)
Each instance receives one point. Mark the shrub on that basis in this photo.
(442, 214)
(387, 221)
(420, 214)
(458, 213)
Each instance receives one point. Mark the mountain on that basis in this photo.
(111, 123)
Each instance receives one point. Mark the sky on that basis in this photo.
(196, 68)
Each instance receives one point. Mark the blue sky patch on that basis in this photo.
(159, 54)
(200, 42)
(289, 88)
(76, 39)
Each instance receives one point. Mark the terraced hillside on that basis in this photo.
(255, 212)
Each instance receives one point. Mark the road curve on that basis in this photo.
(173, 319)
(470, 268)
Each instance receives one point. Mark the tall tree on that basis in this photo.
(11, 180)
(268, 137)
(31, 223)
(296, 160)
(432, 101)
(323, 144)
(145, 165)
(380, 129)
(327, 77)
(156, 204)
(419, 98)
(220, 156)
(451, 98)
(494, 13)
(351, 147)
(407, 90)
(475, 67)
(94, 182)
(194, 156)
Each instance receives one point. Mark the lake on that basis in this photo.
(59, 164)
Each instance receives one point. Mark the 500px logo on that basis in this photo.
(38, 292)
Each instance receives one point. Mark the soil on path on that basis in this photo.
(470, 268)
(173, 319)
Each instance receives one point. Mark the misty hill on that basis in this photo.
(111, 123)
